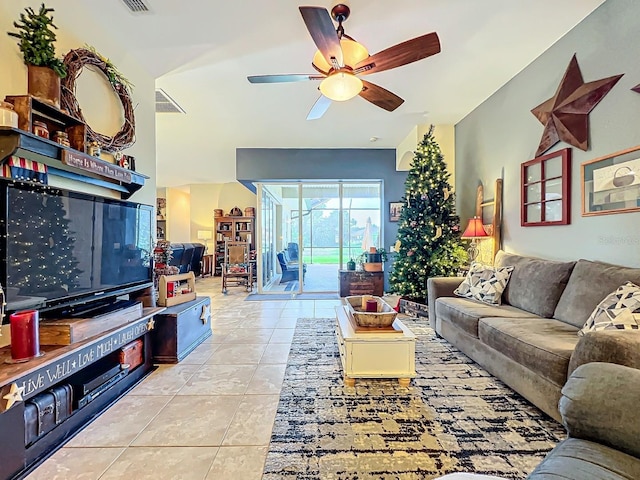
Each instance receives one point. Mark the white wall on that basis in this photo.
(191, 207)
(178, 215)
(501, 133)
(443, 134)
(99, 105)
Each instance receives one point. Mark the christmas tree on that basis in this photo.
(428, 242)
(43, 260)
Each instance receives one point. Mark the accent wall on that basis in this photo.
(501, 133)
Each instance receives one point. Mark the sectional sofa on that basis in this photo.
(531, 341)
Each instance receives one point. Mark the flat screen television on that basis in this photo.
(65, 249)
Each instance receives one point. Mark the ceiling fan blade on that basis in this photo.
(400, 54)
(283, 78)
(323, 33)
(322, 105)
(379, 96)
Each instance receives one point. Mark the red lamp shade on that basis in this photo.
(475, 229)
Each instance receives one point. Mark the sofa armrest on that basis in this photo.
(609, 346)
(599, 403)
(440, 287)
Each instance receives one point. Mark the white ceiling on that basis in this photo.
(201, 51)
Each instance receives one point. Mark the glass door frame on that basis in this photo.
(299, 184)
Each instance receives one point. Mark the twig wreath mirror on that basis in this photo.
(75, 61)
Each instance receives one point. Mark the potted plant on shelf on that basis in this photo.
(373, 259)
(44, 69)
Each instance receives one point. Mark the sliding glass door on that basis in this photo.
(310, 230)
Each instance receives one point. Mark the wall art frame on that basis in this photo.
(611, 184)
(545, 194)
(395, 209)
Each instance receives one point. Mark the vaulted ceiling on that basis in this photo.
(201, 52)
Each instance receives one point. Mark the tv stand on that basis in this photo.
(57, 365)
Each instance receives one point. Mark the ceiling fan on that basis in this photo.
(340, 60)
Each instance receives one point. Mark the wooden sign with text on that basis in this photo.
(64, 366)
(95, 165)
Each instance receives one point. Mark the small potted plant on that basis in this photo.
(44, 69)
(372, 260)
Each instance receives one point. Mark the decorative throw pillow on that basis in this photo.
(618, 311)
(485, 283)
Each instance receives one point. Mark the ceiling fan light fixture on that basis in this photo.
(352, 54)
(341, 86)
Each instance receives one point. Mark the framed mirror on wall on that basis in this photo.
(546, 190)
(611, 184)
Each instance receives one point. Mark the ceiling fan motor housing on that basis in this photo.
(340, 12)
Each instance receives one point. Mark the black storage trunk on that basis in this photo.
(46, 410)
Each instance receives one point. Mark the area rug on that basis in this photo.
(453, 417)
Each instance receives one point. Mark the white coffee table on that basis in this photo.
(375, 354)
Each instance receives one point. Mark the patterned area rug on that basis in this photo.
(453, 417)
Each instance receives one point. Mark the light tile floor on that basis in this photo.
(209, 417)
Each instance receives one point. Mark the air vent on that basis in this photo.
(166, 104)
(137, 6)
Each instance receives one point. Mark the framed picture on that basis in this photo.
(546, 190)
(611, 184)
(395, 208)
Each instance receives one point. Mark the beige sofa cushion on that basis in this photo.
(543, 345)
(589, 284)
(536, 284)
(465, 313)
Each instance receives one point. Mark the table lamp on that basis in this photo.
(205, 235)
(474, 231)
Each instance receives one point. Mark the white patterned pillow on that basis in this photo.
(485, 283)
(618, 311)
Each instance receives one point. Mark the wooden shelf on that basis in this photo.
(21, 143)
(57, 365)
(235, 229)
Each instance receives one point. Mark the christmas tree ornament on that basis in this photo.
(438, 232)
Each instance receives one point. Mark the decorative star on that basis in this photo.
(206, 313)
(636, 88)
(14, 395)
(565, 116)
(150, 324)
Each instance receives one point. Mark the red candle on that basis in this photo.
(372, 306)
(25, 338)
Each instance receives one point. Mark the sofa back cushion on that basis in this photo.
(536, 284)
(589, 284)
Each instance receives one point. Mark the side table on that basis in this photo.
(354, 282)
(207, 265)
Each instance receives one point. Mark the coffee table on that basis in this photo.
(374, 354)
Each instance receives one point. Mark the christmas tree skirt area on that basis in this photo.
(413, 308)
(453, 417)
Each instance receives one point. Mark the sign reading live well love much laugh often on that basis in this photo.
(95, 165)
(51, 373)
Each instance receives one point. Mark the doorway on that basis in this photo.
(310, 230)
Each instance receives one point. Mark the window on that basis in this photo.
(545, 194)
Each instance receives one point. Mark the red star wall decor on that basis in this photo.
(565, 116)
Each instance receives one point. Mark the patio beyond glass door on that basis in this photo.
(321, 244)
(310, 230)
